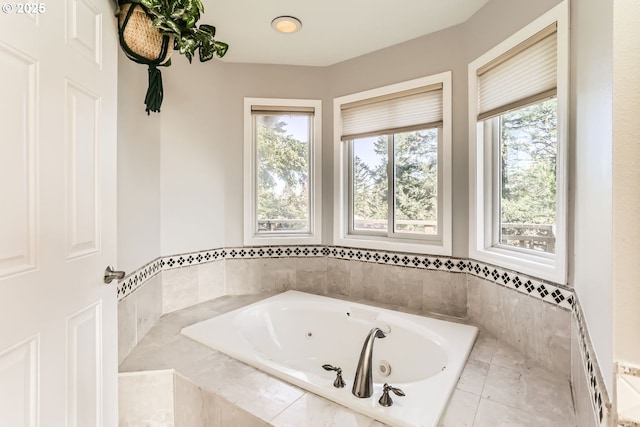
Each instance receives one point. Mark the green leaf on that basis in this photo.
(209, 29)
(187, 45)
(221, 48)
(190, 22)
(149, 4)
(199, 6)
(173, 26)
(177, 14)
(206, 52)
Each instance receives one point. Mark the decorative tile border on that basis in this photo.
(548, 292)
(554, 294)
(599, 399)
(543, 290)
(137, 278)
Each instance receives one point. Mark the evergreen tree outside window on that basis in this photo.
(282, 180)
(518, 131)
(392, 182)
(282, 171)
(405, 202)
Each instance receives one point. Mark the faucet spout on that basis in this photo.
(363, 382)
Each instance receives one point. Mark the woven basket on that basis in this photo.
(141, 36)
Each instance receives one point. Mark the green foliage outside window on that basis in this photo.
(416, 182)
(282, 176)
(528, 175)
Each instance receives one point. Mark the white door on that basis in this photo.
(58, 323)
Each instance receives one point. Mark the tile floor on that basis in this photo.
(498, 386)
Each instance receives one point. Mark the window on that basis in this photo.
(392, 175)
(518, 134)
(282, 171)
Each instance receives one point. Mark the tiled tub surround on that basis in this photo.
(164, 398)
(290, 335)
(628, 395)
(530, 314)
(498, 386)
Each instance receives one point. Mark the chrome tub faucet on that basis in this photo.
(363, 382)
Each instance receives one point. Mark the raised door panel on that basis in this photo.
(84, 382)
(84, 29)
(19, 384)
(18, 162)
(83, 183)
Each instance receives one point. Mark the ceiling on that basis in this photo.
(332, 30)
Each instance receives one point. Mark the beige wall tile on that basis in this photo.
(403, 287)
(493, 414)
(314, 411)
(146, 399)
(149, 305)
(444, 293)
(268, 397)
(527, 390)
(372, 280)
(173, 354)
(538, 329)
(357, 278)
(311, 275)
(211, 280)
(229, 414)
(127, 330)
(460, 410)
(190, 404)
(473, 376)
(240, 276)
(179, 288)
(275, 274)
(338, 276)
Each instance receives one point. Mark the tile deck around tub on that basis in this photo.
(497, 387)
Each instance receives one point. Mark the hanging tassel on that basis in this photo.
(153, 100)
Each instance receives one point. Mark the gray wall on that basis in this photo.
(138, 170)
(626, 176)
(591, 168)
(202, 122)
(450, 49)
(202, 145)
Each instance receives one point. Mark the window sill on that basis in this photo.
(426, 247)
(284, 240)
(546, 268)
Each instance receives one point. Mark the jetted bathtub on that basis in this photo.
(291, 335)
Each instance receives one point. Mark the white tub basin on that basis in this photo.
(291, 335)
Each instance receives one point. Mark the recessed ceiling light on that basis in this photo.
(286, 24)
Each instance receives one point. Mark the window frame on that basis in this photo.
(483, 183)
(314, 235)
(343, 234)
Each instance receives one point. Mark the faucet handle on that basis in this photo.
(385, 399)
(339, 382)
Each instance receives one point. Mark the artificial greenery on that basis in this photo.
(178, 18)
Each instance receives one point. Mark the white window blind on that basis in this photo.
(405, 111)
(521, 76)
(275, 109)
